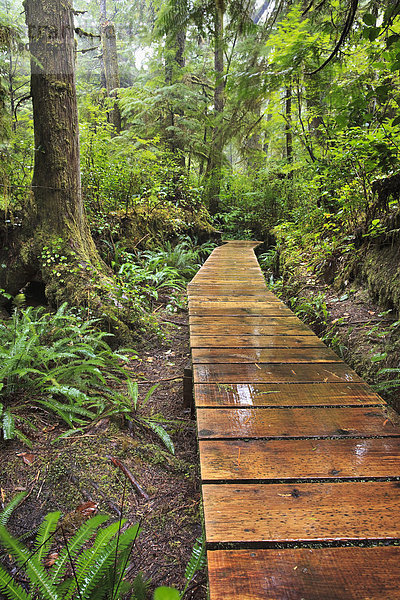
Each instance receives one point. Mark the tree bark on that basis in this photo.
(55, 245)
(111, 71)
(175, 59)
(213, 173)
(288, 126)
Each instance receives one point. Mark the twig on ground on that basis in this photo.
(129, 476)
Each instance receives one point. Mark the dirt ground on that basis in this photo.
(66, 474)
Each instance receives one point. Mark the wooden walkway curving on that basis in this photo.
(300, 459)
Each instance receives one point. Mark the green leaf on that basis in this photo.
(369, 19)
(373, 33)
(12, 589)
(8, 425)
(166, 593)
(11, 506)
(162, 434)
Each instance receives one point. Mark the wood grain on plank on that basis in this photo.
(238, 300)
(302, 512)
(252, 330)
(285, 394)
(257, 320)
(273, 373)
(299, 459)
(274, 309)
(263, 355)
(257, 341)
(294, 422)
(305, 573)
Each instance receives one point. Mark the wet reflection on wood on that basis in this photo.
(304, 574)
(293, 422)
(285, 394)
(293, 448)
(301, 512)
(299, 459)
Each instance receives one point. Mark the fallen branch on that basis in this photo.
(129, 476)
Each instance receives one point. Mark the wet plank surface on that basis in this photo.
(301, 512)
(294, 449)
(293, 422)
(255, 341)
(293, 328)
(263, 355)
(299, 459)
(305, 574)
(285, 394)
(273, 373)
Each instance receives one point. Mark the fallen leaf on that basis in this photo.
(87, 508)
(371, 312)
(51, 559)
(28, 458)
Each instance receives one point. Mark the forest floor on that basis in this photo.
(77, 477)
(365, 335)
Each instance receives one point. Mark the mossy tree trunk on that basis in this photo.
(55, 245)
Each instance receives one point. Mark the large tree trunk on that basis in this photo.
(213, 174)
(56, 246)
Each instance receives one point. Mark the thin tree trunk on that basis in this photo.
(288, 126)
(213, 174)
(111, 71)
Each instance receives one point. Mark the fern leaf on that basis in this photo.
(75, 545)
(11, 506)
(33, 568)
(12, 590)
(44, 534)
(197, 560)
(8, 425)
(162, 434)
(85, 566)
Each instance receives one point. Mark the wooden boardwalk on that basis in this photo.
(300, 459)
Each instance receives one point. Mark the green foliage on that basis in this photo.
(131, 407)
(60, 361)
(150, 273)
(196, 562)
(98, 568)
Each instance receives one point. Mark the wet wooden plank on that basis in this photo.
(238, 300)
(302, 512)
(227, 290)
(285, 394)
(274, 309)
(257, 341)
(236, 423)
(273, 373)
(299, 459)
(252, 330)
(239, 320)
(305, 574)
(263, 355)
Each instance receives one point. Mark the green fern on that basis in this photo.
(99, 569)
(11, 506)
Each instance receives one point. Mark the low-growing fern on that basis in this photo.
(98, 569)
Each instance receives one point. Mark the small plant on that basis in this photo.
(196, 562)
(130, 405)
(78, 570)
